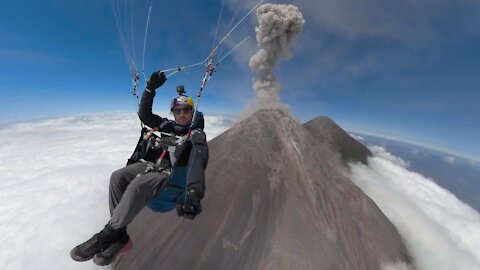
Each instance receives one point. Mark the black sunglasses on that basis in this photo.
(184, 110)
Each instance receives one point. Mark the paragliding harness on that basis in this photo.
(167, 153)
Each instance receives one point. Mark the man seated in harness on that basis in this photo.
(148, 171)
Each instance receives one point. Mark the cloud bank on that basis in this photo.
(441, 231)
(54, 188)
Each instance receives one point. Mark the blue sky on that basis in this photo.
(406, 69)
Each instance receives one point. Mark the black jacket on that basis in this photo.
(197, 159)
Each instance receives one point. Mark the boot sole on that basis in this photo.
(102, 262)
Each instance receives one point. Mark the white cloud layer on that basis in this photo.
(54, 188)
(356, 137)
(396, 266)
(380, 152)
(441, 232)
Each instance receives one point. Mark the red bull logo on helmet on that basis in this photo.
(181, 100)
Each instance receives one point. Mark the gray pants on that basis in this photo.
(129, 192)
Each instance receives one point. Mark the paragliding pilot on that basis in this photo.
(164, 173)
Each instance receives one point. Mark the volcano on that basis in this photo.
(327, 132)
(278, 197)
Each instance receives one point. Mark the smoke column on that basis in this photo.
(278, 27)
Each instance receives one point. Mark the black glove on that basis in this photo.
(156, 80)
(166, 126)
(191, 207)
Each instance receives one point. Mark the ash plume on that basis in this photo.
(278, 27)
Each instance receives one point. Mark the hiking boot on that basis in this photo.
(97, 243)
(114, 252)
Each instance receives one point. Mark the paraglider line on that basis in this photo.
(145, 41)
(234, 48)
(235, 27)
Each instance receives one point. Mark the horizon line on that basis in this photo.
(414, 142)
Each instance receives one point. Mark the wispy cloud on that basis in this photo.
(10, 39)
(347, 40)
(450, 160)
(405, 20)
(15, 55)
